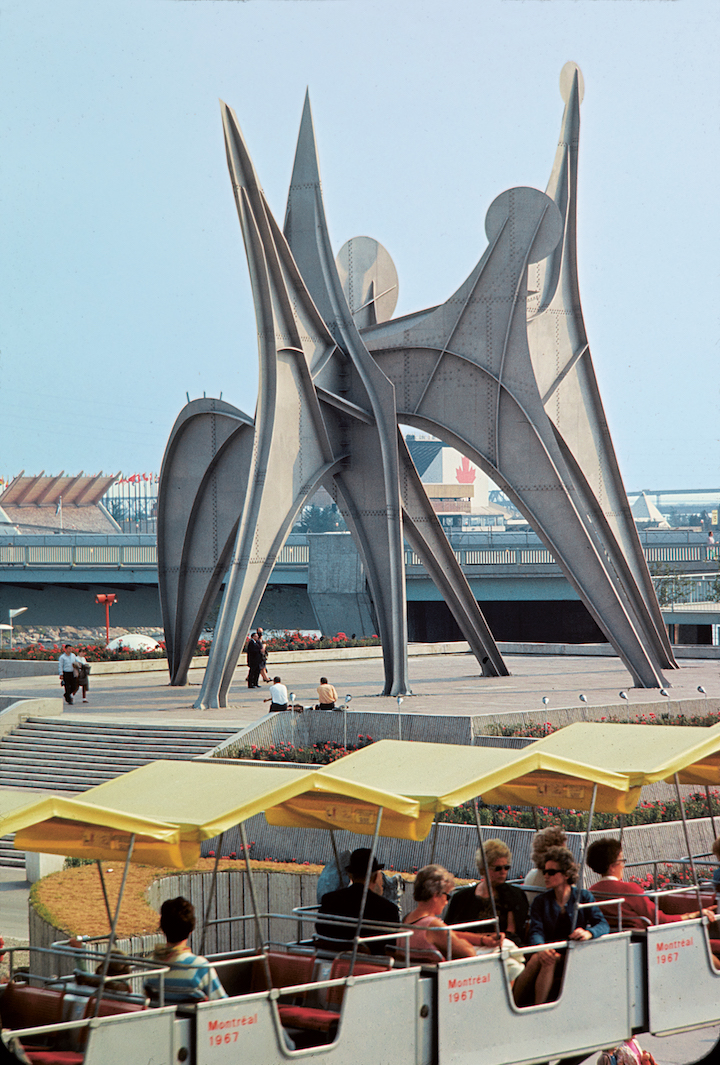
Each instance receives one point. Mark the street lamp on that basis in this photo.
(108, 598)
(13, 614)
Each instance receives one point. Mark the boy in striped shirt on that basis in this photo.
(191, 977)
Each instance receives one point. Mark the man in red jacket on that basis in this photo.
(606, 858)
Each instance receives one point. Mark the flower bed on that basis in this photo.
(537, 730)
(291, 641)
(295, 641)
(313, 754)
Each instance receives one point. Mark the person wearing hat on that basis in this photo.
(346, 903)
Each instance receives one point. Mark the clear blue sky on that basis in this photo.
(123, 280)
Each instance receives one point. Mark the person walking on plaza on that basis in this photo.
(66, 661)
(83, 677)
(327, 696)
(254, 660)
(263, 657)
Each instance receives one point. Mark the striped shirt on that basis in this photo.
(191, 977)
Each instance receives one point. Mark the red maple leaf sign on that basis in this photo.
(465, 473)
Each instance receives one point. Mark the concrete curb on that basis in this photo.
(21, 709)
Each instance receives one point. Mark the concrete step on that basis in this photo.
(9, 857)
(74, 743)
(186, 731)
(72, 756)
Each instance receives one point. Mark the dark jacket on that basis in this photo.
(346, 903)
(550, 924)
(465, 906)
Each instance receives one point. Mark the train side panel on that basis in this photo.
(476, 1013)
(683, 987)
(380, 1022)
(146, 1036)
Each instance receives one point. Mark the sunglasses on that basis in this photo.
(550, 872)
(501, 868)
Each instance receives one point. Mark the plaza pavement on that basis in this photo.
(441, 684)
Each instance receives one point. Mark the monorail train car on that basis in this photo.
(292, 1001)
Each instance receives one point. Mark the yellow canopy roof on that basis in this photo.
(441, 776)
(173, 806)
(646, 753)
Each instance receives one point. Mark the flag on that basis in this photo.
(58, 508)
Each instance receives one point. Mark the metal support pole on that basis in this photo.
(111, 940)
(259, 939)
(486, 868)
(213, 884)
(622, 827)
(434, 840)
(105, 894)
(581, 875)
(366, 888)
(687, 842)
(335, 851)
(710, 810)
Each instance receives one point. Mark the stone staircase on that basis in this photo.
(63, 756)
(9, 857)
(71, 756)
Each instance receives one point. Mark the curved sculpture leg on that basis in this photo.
(568, 386)
(464, 372)
(292, 451)
(362, 503)
(362, 403)
(203, 474)
(425, 535)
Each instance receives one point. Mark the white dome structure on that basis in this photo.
(133, 641)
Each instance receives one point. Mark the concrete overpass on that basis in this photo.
(319, 583)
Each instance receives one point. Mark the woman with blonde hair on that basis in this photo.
(473, 903)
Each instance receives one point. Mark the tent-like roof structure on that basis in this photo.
(40, 490)
(440, 776)
(173, 806)
(645, 753)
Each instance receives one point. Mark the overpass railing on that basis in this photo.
(115, 555)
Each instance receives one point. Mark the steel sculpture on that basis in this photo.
(496, 370)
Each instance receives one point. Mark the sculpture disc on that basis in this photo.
(369, 280)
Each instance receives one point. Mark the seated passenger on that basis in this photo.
(551, 920)
(550, 836)
(346, 903)
(473, 903)
(432, 887)
(191, 977)
(716, 872)
(605, 857)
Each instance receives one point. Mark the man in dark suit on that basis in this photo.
(254, 660)
(346, 903)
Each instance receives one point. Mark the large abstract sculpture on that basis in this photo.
(501, 371)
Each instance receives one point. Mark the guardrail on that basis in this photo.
(116, 555)
(145, 555)
(540, 556)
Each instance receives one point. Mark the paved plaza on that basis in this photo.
(441, 684)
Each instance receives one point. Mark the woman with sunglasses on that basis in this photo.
(473, 903)
(433, 886)
(551, 920)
